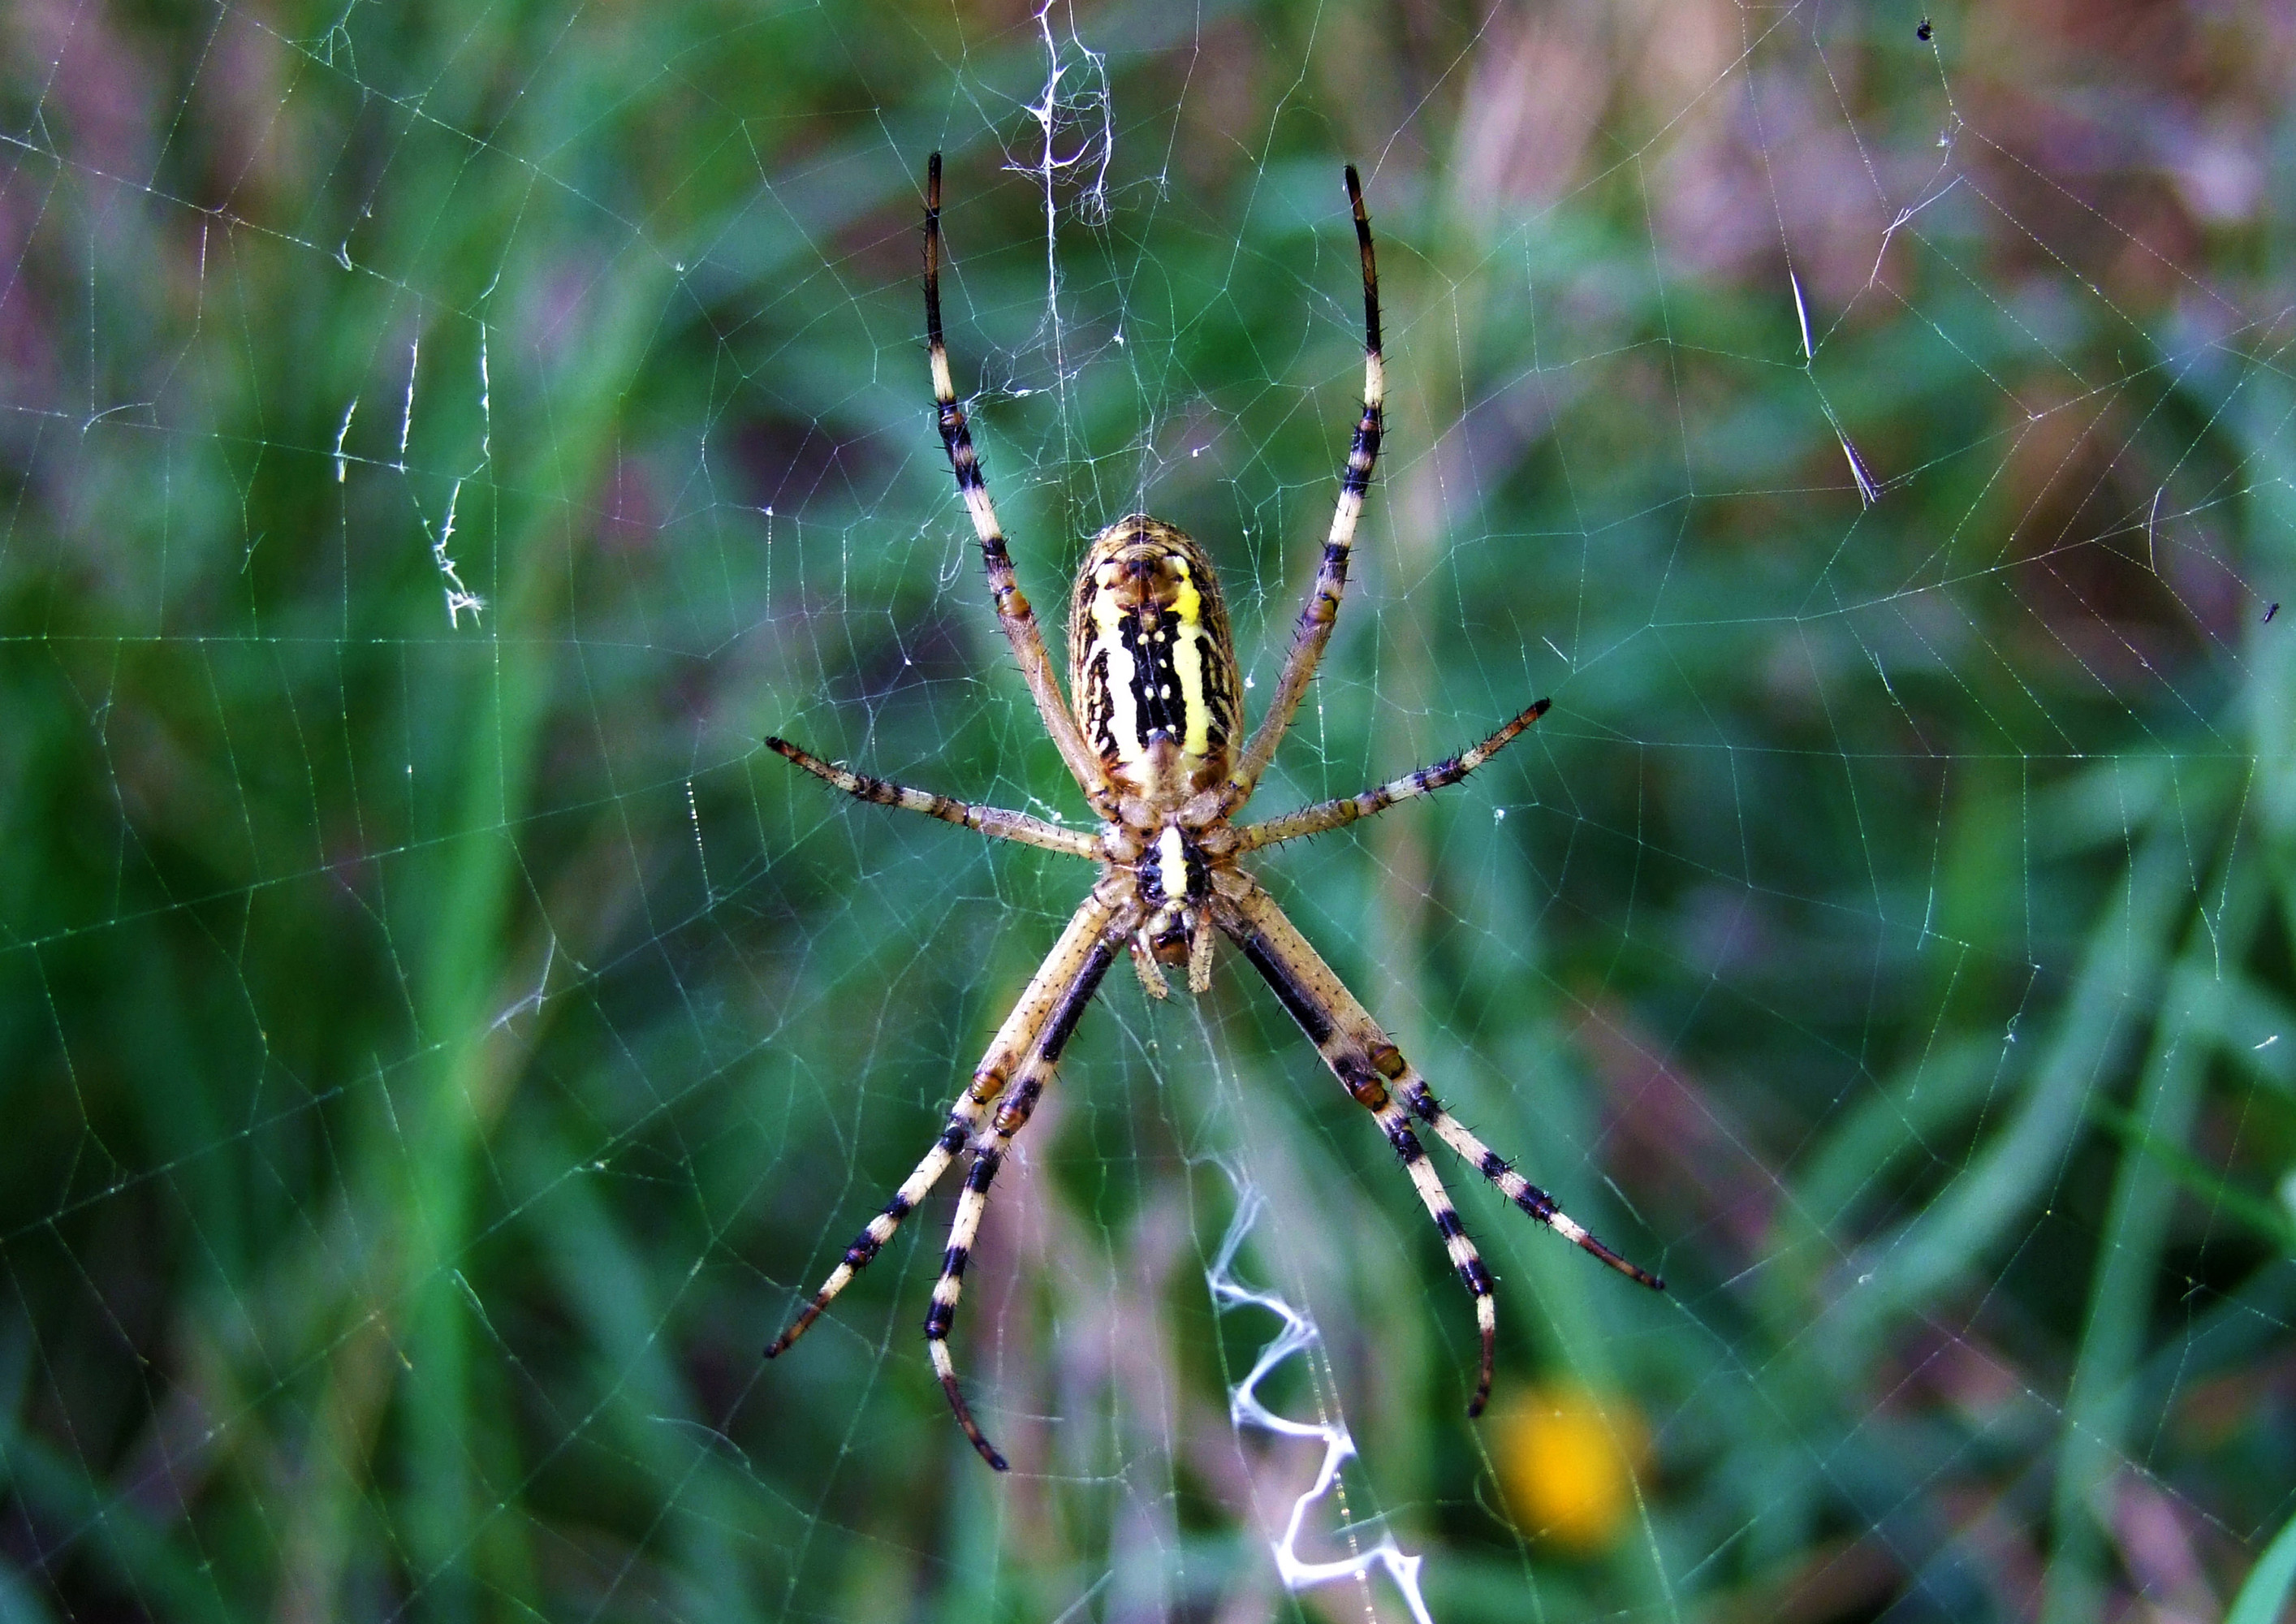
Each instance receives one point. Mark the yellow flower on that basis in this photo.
(1567, 1462)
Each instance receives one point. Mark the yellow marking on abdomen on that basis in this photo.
(1188, 665)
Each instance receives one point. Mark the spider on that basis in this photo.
(1152, 741)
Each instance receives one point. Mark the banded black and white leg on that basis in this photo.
(1016, 1040)
(1366, 1061)
(1013, 612)
(1330, 814)
(1029, 1085)
(1412, 1089)
(994, 821)
(1322, 610)
(1308, 989)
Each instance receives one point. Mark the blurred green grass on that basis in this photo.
(440, 1055)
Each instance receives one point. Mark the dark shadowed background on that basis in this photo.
(439, 1045)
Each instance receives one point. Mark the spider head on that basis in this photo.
(1152, 666)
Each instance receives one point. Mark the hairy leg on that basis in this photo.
(1013, 609)
(994, 822)
(1322, 611)
(1327, 815)
(1309, 990)
(1374, 1070)
(1029, 1085)
(1038, 1006)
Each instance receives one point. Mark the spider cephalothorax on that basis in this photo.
(1152, 743)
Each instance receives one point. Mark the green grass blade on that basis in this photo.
(2265, 1597)
(2120, 976)
(2121, 1300)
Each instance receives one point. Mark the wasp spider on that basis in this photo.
(1153, 743)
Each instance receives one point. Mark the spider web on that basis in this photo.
(443, 1045)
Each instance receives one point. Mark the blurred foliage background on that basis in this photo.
(440, 1046)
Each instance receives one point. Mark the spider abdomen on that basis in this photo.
(1152, 665)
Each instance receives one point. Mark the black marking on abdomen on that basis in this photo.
(1099, 718)
(1160, 698)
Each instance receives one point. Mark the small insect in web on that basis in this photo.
(2270, 610)
(1923, 32)
(1152, 743)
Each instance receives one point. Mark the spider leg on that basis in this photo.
(994, 822)
(1415, 1093)
(1013, 609)
(1352, 1044)
(1337, 814)
(1038, 1003)
(1375, 1071)
(1044, 1057)
(1322, 611)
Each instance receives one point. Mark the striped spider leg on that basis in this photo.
(1374, 1073)
(994, 822)
(1013, 609)
(1322, 610)
(1021, 1057)
(1086, 950)
(1148, 728)
(1329, 815)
